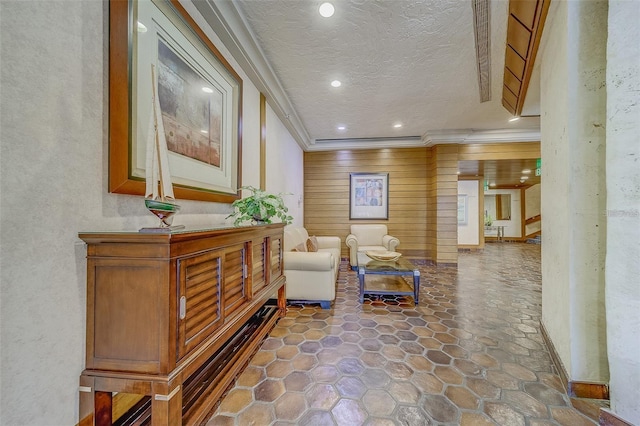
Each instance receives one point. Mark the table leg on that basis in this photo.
(282, 301)
(416, 287)
(103, 402)
(361, 280)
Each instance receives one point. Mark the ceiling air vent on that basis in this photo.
(481, 20)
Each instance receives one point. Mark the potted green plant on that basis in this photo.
(488, 220)
(260, 207)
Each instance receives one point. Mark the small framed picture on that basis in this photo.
(462, 210)
(369, 196)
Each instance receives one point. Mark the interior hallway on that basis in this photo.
(470, 354)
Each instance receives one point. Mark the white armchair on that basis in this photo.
(369, 237)
(311, 276)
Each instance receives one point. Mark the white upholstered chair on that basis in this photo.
(369, 237)
(311, 276)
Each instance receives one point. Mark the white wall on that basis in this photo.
(573, 193)
(469, 234)
(285, 166)
(54, 163)
(284, 157)
(512, 228)
(623, 208)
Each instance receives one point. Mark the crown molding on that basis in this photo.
(436, 137)
(465, 136)
(230, 25)
(366, 143)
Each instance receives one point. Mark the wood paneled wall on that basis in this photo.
(443, 204)
(423, 190)
(499, 151)
(326, 189)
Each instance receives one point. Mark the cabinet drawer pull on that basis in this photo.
(183, 307)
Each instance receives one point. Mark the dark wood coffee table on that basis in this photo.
(385, 277)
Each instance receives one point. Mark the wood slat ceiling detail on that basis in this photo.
(504, 173)
(524, 30)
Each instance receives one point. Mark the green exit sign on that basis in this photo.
(538, 163)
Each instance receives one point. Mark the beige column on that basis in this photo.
(573, 194)
(623, 208)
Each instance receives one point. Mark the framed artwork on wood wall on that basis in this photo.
(369, 196)
(200, 98)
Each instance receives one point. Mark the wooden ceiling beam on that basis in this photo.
(524, 31)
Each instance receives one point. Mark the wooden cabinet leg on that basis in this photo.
(103, 402)
(282, 301)
(86, 401)
(166, 408)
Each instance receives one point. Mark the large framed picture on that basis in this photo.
(369, 196)
(200, 99)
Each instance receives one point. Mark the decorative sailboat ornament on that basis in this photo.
(159, 198)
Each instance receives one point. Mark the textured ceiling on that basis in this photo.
(399, 61)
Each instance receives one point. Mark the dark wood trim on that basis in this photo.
(576, 389)
(589, 390)
(523, 208)
(533, 51)
(524, 31)
(263, 142)
(557, 362)
(607, 418)
(481, 212)
(533, 219)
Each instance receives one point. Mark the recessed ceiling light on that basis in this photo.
(458, 172)
(341, 127)
(207, 90)
(524, 177)
(397, 126)
(336, 83)
(326, 10)
(512, 119)
(204, 132)
(526, 171)
(492, 184)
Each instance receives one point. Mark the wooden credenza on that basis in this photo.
(176, 317)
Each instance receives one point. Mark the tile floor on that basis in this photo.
(470, 354)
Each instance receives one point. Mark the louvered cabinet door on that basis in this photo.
(259, 265)
(276, 257)
(199, 307)
(234, 291)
